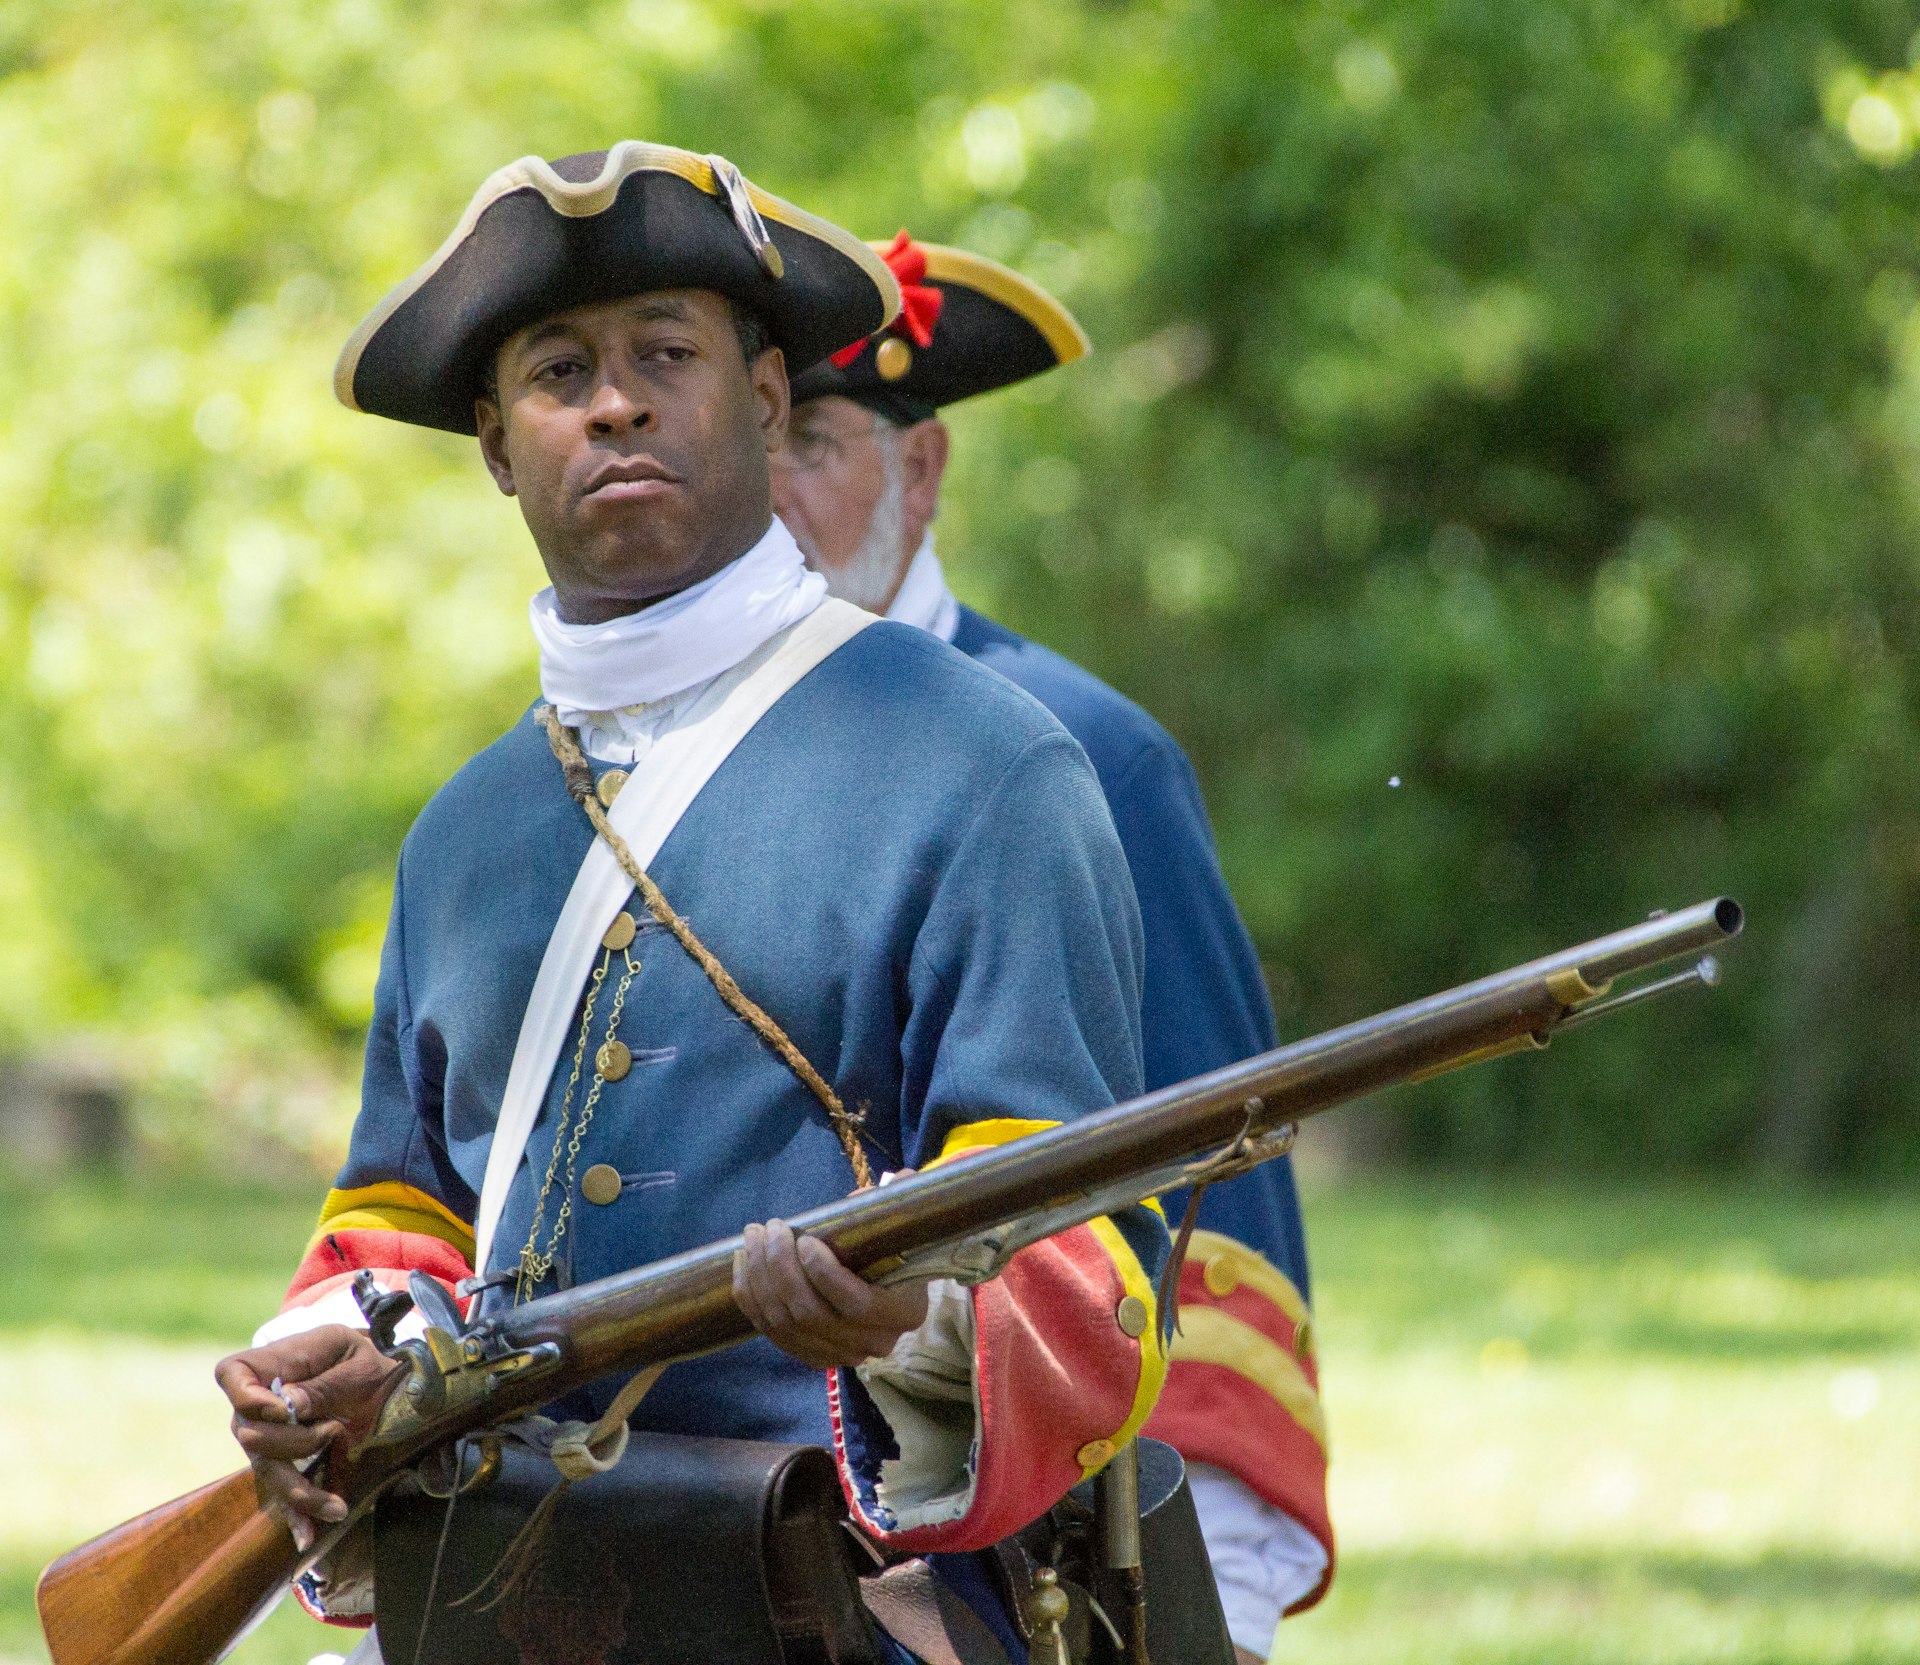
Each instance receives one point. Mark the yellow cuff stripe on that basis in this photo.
(985, 1135)
(1210, 1336)
(1228, 1263)
(393, 1206)
(1153, 1357)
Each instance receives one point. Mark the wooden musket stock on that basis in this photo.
(175, 1586)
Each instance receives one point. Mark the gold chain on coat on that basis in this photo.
(536, 1263)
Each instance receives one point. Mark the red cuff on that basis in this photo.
(1243, 1390)
(337, 1255)
(388, 1226)
(1066, 1367)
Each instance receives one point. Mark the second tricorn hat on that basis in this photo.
(539, 237)
(967, 326)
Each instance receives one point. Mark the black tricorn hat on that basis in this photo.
(967, 326)
(540, 237)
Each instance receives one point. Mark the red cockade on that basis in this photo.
(919, 300)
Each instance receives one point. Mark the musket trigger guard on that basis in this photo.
(443, 1471)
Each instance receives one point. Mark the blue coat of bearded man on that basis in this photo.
(868, 911)
(859, 482)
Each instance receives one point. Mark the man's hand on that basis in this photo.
(334, 1379)
(806, 1303)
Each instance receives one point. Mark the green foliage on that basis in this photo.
(1517, 398)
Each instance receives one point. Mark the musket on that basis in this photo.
(178, 1585)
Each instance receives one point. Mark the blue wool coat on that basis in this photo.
(907, 862)
(1204, 1001)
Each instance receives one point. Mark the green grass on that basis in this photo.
(120, 1296)
(1619, 1427)
(1651, 1426)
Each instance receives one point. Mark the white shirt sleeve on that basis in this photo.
(925, 1389)
(1263, 1559)
(337, 1306)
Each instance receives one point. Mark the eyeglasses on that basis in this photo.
(812, 448)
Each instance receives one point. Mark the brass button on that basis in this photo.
(607, 787)
(1131, 1315)
(893, 358)
(1303, 1340)
(1220, 1277)
(613, 1060)
(619, 933)
(601, 1184)
(1094, 1454)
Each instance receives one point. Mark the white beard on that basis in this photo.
(871, 574)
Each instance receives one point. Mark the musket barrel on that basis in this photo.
(1661, 937)
(608, 1324)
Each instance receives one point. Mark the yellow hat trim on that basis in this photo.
(581, 199)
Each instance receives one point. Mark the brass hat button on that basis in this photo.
(1131, 1315)
(619, 933)
(613, 1060)
(893, 358)
(607, 787)
(1094, 1454)
(1220, 1277)
(601, 1184)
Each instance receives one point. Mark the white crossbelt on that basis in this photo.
(661, 788)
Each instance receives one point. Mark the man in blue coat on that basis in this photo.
(859, 484)
(865, 910)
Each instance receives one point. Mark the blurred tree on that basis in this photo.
(1519, 400)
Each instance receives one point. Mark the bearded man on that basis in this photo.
(859, 483)
(882, 917)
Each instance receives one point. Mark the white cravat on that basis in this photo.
(621, 682)
(924, 601)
